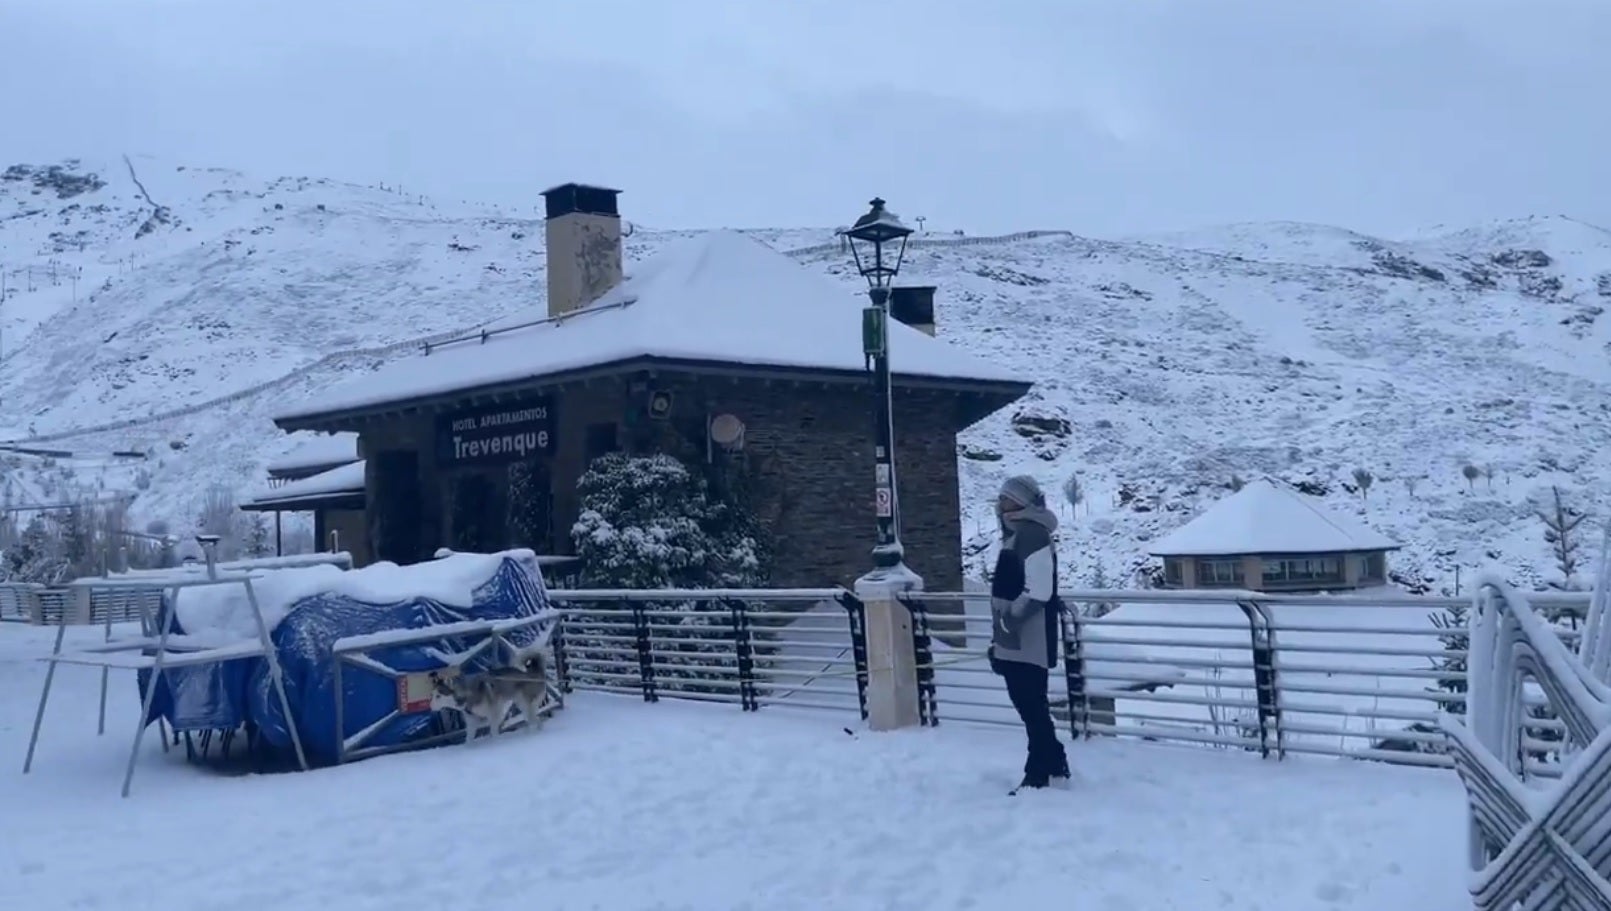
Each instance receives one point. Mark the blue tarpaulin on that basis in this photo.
(228, 694)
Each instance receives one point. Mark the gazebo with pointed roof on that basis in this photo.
(719, 350)
(1268, 536)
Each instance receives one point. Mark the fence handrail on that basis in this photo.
(1553, 599)
(696, 594)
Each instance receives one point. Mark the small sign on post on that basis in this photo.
(873, 335)
(884, 502)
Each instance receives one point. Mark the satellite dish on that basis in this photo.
(727, 430)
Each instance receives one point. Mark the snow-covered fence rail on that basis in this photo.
(15, 600)
(1533, 846)
(804, 648)
(1360, 676)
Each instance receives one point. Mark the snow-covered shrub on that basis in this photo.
(37, 555)
(650, 522)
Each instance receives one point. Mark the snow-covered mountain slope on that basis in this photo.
(1165, 365)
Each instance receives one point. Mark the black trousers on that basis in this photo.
(1026, 687)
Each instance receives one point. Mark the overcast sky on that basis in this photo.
(1102, 116)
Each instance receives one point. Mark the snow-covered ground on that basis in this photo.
(618, 805)
(1164, 365)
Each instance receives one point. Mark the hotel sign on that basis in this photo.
(503, 433)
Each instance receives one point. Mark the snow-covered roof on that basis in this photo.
(1266, 517)
(346, 480)
(317, 451)
(718, 296)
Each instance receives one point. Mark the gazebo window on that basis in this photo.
(1305, 570)
(1219, 572)
(1374, 569)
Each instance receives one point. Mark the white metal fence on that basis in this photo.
(803, 648)
(1360, 676)
(24, 602)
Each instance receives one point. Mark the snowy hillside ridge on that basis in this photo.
(1165, 366)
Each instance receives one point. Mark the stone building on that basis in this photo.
(719, 350)
(1269, 537)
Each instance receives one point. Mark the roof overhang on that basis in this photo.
(308, 470)
(987, 396)
(1273, 554)
(307, 503)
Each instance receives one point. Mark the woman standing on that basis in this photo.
(1024, 610)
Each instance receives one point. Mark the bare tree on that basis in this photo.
(1488, 473)
(1560, 532)
(1410, 482)
(1471, 473)
(1364, 479)
(220, 517)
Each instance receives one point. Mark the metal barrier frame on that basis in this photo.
(1270, 660)
(354, 651)
(630, 614)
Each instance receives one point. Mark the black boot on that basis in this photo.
(1030, 781)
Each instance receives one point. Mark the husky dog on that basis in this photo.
(483, 700)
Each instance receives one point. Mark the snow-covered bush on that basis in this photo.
(651, 522)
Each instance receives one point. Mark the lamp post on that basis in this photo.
(878, 244)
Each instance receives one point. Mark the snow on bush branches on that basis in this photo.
(650, 522)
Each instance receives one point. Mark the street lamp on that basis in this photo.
(878, 244)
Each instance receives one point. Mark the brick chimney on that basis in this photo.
(914, 306)
(583, 232)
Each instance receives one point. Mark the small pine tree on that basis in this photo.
(1455, 636)
(76, 533)
(1236, 483)
(1560, 532)
(259, 540)
(1098, 580)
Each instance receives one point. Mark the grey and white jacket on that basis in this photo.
(1023, 590)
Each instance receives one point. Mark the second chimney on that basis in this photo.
(914, 306)
(583, 234)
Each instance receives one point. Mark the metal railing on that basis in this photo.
(85, 602)
(1359, 676)
(16, 601)
(803, 648)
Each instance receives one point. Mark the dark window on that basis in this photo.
(394, 507)
(531, 507)
(1219, 572)
(477, 518)
(1375, 569)
(1301, 571)
(601, 439)
(1172, 572)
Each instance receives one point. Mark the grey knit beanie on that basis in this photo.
(1023, 490)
